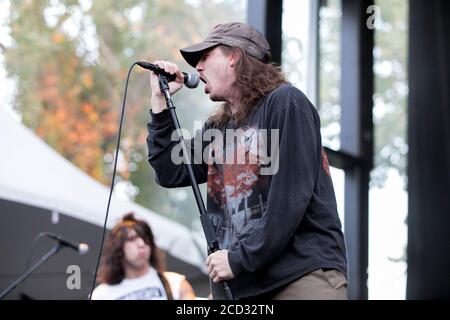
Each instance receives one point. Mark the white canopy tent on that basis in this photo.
(33, 173)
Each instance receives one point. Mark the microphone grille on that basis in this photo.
(192, 80)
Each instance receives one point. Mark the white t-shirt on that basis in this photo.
(145, 287)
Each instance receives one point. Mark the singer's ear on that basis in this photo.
(235, 56)
(233, 61)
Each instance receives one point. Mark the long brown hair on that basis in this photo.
(254, 80)
(111, 270)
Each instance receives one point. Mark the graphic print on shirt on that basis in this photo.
(236, 191)
(325, 165)
(147, 293)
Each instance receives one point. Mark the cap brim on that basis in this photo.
(193, 54)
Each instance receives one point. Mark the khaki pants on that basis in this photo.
(316, 285)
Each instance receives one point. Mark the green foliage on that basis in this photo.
(330, 73)
(70, 60)
(390, 96)
(391, 89)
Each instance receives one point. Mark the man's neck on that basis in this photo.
(131, 273)
(233, 108)
(234, 105)
(233, 101)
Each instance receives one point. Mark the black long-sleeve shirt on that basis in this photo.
(274, 211)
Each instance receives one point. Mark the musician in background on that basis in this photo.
(132, 268)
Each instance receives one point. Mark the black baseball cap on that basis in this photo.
(235, 34)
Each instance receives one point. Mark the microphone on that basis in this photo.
(82, 248)
(191, 80)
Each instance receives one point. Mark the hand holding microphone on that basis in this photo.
(191, 80)
(174, 75)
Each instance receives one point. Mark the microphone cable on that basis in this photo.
(113, 179)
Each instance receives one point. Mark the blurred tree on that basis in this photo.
(391, 86)
(330, 73)
(70, 58)
(391, 90)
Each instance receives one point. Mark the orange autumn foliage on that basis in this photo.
(77, 128)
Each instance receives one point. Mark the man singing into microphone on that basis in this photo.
(270, 196)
